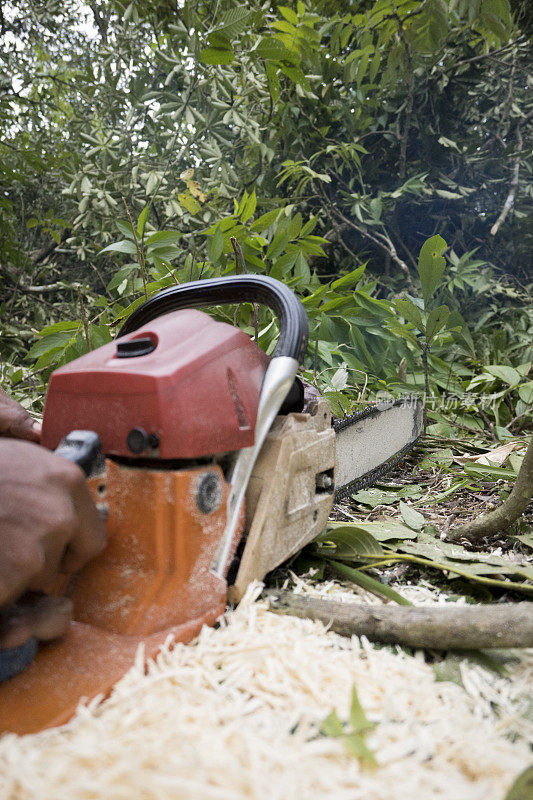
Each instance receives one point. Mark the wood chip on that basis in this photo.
(237, 716)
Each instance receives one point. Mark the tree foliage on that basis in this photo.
(331, 140)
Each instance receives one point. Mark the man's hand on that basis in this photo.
(48, 525)
(15, 420)
(34, 614)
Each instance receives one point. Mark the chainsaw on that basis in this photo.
(212, 464)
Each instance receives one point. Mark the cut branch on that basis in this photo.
(510, 510)
(435, 628)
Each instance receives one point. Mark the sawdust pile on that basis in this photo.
(238, 715)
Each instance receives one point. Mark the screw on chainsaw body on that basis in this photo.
(209, 493)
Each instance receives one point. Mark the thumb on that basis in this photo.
(16, 422)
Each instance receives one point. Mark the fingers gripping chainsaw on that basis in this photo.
(217, 469)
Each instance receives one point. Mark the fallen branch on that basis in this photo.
(510, 510)
(452, 627)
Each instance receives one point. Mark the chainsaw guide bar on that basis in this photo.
(407, 411)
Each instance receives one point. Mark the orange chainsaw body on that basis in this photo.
(154, 580)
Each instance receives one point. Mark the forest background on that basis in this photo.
(331, 140)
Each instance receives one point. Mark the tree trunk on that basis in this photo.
(509, 511)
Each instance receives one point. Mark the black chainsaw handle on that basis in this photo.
(294, 327)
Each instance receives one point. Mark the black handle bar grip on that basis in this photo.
(294, 327)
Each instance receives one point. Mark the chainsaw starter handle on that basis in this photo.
(294, 327)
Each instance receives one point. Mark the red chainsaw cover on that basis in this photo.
(197, 391)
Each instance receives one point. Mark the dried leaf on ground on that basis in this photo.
(494, 457)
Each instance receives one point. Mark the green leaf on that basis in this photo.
(124, 246)
(54, 340)
(353, 739)
(122, 275)
(17, 376)
(356, 745)
(449, 670)
(297, 76)
(187, 201)
(525, 538)
(99, 335)
(348, 280)
(301, 269)
(506, 374)
(489, 472)
(162, 239)
(217, 55)
(369, 584)
(233, 22)
(448, 143)
(351, 540)
(375, 497)
(266, 220)
(522, 788)
(404, 333)
(381, 530)
(332, 726)
(448, 195)
(436, 321)
(68, 325)
(410, 312)
(380, 308)
(124, 227)
(217, 245)
(273, 81)
(431, 265)
(412, 518)
(358, 719)
(272, 49)
(437, 459)
(525, 392)
(249, 207)
(289, 14)
(143, 216)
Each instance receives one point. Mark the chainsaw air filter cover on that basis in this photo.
(182, 386)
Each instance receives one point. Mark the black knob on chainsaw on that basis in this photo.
(134, 348)
(139, 440)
